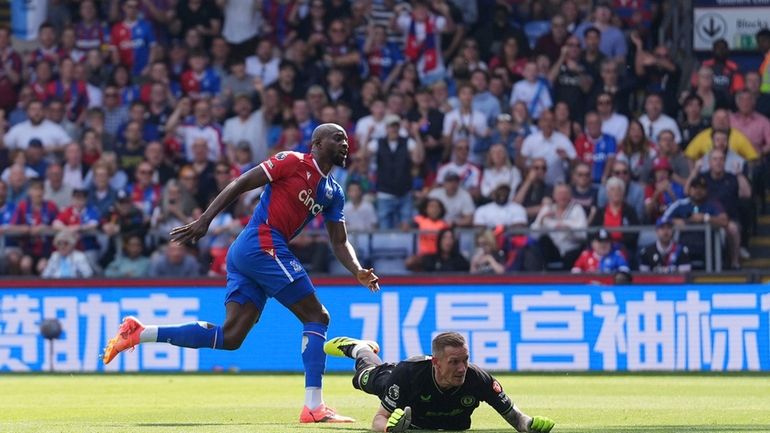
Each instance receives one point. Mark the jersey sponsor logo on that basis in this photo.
(306, 197)
(295, 265)
(280, 156)
(130, 44)
(394, 392)
(496, 387)
(468, 400)
(425, 398)
(329, 192)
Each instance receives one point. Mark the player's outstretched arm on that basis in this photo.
(252, 179)
(338, 237)
(397, 421)
(524, 423)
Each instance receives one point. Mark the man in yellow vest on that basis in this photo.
(701, 144)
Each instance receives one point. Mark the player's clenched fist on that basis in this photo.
(541, 424)
(400, 420)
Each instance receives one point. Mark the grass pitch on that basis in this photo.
(271, 404)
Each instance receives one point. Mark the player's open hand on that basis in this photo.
(369, 279)
(400, 420)
(190, 232)
(541, 424)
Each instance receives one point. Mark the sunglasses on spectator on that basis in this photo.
(582, 173)
(620, 172)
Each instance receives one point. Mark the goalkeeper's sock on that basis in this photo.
(314, 359)
(194, 335)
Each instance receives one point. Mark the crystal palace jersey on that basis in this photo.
(298, 191)
(133, 42)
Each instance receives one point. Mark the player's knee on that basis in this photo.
(232, 340)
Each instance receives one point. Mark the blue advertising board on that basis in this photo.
(509, 327)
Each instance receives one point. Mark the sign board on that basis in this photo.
(736, 21)
(508, 327)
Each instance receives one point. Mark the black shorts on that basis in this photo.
(372, 378)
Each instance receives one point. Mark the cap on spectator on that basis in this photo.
(65, 236)
(35, 142)
(661, 163)
(602, 235)
(662, 221)
(700, 181)
(452, 177)
(392, 118)
(504, 117)
(123, 196)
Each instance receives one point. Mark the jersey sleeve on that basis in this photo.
(492, 392)
(280, 165)
(395, 395)
(335, 213)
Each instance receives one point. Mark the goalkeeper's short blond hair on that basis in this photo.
(447, 339)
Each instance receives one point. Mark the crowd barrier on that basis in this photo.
(511, 325)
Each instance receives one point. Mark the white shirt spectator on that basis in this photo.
(267, 71)
(210, 133)
(616, 126)
(61, 197)
(493, 177)
(75, 265)
(574, 217)
(368, 122)
(526, 92)
(457, 206)
(458, 125)
(652, 129)
(734, 163)
(243, 20)
(360, 218)
(252, 131)
(73, 176)
(470, 175)
(52, 135)
(492, 215)
(536, 145)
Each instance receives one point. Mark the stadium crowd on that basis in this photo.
(123, 119)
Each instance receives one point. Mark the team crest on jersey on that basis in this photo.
(394, 392)
(468, 400)
(329, 192)
(307, 173)
(295, 265)
(280, 156)
(365, 378)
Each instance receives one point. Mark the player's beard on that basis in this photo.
(340, 159)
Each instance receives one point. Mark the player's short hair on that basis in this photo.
(447, 339)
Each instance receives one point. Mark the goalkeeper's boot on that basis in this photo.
(126, 338)
(322, 413)
(343, 346)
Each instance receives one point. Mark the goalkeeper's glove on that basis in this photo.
(399, 420)
(541, 424)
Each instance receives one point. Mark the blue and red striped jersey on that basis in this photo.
(133, 42)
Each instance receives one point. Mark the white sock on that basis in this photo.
(149, 334)
(358, 348)
(313, 397)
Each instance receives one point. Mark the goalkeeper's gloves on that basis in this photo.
(541, 424)
(399, 420)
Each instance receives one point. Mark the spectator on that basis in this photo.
(132, 40)
(359, 213)
(466, 123)
(92, 149)
(66, 261)
(394, 156)
(422, 30)
(117, 178)
(174, 210)
(264, 65)
(668, 149)
(697, 209)
(248, 126)
(613, 41)
(663, 190)
(564, 123)
(372, 126)
(11, 73)
(144, 192)
(18, 113)
(55, 112)
(610, 83)
(428, 121)
(763, 46)
(501, 211)
(381, 58)
(115, 113)
(17, 183)
(638, 151)
(596, 148)
(702, 143)
(693, 122)
(488, 259)
(551, 145)
(101, 196)
(470, 174)
(162, 170)
(753, 125)
(654, 120)
(658, 74)
(613, 123)
(533, 190)
(81, 219)
(602, 257)
(90, 31)
(753, 81)
(32, 221)
(665, 256)
(618, 213)
(584, 191)
(35, 159)
(483, 100)
(173, 261)
(202, 127)
(551, 43)
(131, 263)
(457, 201)
(448, 257)
(510, 58)
(130, 151)
(56, 190)
(74, 170)
(499, 170)
(53, 136)
(69, 90)
(532, 91)
(562, 222)
(200, 80)
(592, 58)
(704, 88)
(237, 81)
(571, 82)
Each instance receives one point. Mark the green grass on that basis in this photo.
(271, 404)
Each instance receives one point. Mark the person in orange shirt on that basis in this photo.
(430, 221)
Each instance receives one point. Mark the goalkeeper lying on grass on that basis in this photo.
(438, 392)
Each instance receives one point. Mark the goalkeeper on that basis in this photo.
(438, 392)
